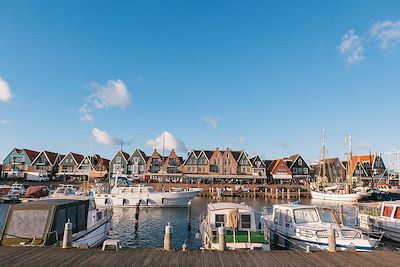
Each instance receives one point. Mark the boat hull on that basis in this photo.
(377, 224)
(154, 199)
(337, 197)
(94, 236)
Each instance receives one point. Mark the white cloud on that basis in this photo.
(387, 32)
(213, 122)
(352, 48)
(113, 94)
(3, 121)
(103, 137)
(5, 92)
(87, 117)
(170, 142)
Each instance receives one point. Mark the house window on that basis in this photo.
(141, 168)
(305, 170)
(246, 221)
(130, 168)
(219, 220)
(118, 160)
(300, 162)
(136, 160)
(294, 170)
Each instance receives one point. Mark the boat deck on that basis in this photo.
(55, 256)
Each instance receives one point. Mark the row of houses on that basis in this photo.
(200, 164)
(20, 163)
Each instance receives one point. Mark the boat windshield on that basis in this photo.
(308, 215)
(327, 215)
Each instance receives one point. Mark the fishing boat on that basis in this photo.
(387, 222)
(41, 223)
(306, 227)
(64, 191)
(238, 222)
(390, 188)
(145, 196)
(343, 194)
(4, 190)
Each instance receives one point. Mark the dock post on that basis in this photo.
(168, 237)
(67, 240)
(189, 216)
(137, 210)
(276, 193)
(221, 238)
(283, 193)
(288, 194)
(331, 240)
(341, 213)
(299, 192)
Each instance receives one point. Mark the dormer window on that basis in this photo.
(300, 162)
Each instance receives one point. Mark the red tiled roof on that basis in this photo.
(31, 153)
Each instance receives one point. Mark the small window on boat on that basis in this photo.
(397, 213)
(305, 216)
(219, 220)
(387, 211)
(246, 221)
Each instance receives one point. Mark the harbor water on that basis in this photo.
(148, 230)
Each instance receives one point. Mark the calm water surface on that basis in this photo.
(149, 231)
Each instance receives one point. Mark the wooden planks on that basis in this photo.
(55, 256)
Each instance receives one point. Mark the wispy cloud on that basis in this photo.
(213, 122)
(103, 137)
(3, 121)
(5, 91)
(170, 142)
(239, 140)
(114, 94)
(351, 48)
(387, 33)
(283, 146)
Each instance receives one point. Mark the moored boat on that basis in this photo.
(238, 222)
(387, 222)
(41, 223)
(306, 227)
(36, 191)
(145, 196)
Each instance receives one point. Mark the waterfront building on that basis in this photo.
(18, 162)
(101, 168)
(298, 167)
(68, 166)
(259, 166)
(335, 170)
(93, 167)
(46, 163)
(119, 164)
(366, 167)
(279, 172)
(198, 162)
(137, 163)
(172, 164)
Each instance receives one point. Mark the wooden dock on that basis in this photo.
(55, 256)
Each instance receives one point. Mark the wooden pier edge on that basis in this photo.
(55, 256)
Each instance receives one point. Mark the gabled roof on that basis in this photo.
(236, 154)
(16, 150)
(32, 154)
(280, 162)
(125, 155)
(75, 156)
(51, 157)
(254, 159)
(141, 153)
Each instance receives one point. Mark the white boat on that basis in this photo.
(305, 227)
(239, 225)
(64, 191)
(387, 222)
(331, 196)
(41, 223)
(390, 188)
(145, 196)
(18, 189)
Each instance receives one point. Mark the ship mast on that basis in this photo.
(323, 152)
(350, 156)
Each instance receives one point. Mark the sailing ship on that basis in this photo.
(346, 193)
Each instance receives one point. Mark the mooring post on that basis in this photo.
(221, 238)
(67, 240)
(331, 240)
(288, 193)
(137, 211)
(341, 213)
(276, 193)
(189, 216)
(283, 193)
(299, 192)
(168, 237)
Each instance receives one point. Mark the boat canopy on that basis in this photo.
(42, 222)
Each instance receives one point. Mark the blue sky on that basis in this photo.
(265, 76)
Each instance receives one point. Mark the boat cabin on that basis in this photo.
(391, 210)
(42, 222)
(231, 215)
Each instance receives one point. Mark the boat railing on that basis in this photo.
(47, 235)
